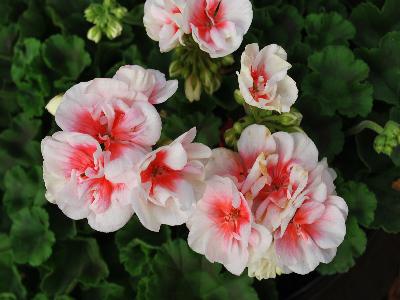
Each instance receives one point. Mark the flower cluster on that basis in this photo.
(101, 165)
(217, 26)
(271, 206)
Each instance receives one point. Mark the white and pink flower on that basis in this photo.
(171, 180)
(218, 26)
(148, 82)
(113, 114)
(82, 182)
(164, 22)
(220, 227)
(263, 79)
(290, 194)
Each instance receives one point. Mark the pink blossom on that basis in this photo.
(220, 227)
(218, 26)
(112, 113)
(170, 181)
(263, 79)
(82, 182)
(290, 193)
(148, 82)
(163, 20)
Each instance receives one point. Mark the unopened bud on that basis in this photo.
(94, 34)
(119, 12)
(54, 103)
(175, 69)
(291, 118)
(238, 97)
(192, 88)
(113, 29)
(227, 60)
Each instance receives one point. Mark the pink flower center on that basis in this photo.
(159, 174)
(228, 218)
(260, 79)
(205, 18)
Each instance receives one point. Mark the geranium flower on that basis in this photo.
(220, 227)
(113, 114)
(263, 79)
(218, 26)
(163, 21)
(151, 83)
(289, 192)
(170, 179)
(82, 182)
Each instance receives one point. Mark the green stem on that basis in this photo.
(366, 124)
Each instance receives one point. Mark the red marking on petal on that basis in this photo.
(159, 174)
(260, 79)
(85, 123)
(228, 218)
(81, 159)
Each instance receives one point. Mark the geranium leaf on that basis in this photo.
(81, 262)
(353, 246)
(31, 238)
(337, 83)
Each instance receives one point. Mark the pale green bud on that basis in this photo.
(54, 103)
(113, 29)
(192, 88)
(175, 69)
(291, 119)
(227, 60)
(94, 34)
(119, 12)
(238, 97)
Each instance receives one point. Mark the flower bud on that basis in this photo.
(94, 34)
(238, 97)
(54, 103)
(192, 88)
(292, 118)
(119, 12)
(227, 61)
(175, 68)
(113, 29)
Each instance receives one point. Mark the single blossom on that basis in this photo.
(218, 26)
(220, 227)
(290, 193)
(163, 20)
(171, 179)
(82, 182)
(148, 82)
(263, 79)
(115, 115)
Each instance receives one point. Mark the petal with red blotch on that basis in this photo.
(225, 162)
(254, 140)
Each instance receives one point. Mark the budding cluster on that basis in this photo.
(200, 71)
(388, 139)
(106, 18)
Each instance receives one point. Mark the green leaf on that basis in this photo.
(137, 247)
(105, 291)
(81, 262)
(69, 18)
(66, 56)
(179, 273)
(31, 239)
(328, 29)
(360, 200)
(385, 73)
(373, 23)
(276, 24)
(17, 145)
(386, 186)
(10, 279)
(63, 228)
(337, 83)
(8, 36)
(135, 16)
(27, 69)
(32, 21)
(353, 246)
(24, 188)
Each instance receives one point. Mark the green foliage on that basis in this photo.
(190, 274)
(31, 239)
(337, 83)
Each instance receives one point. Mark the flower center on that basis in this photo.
(260, 79)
